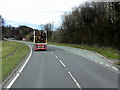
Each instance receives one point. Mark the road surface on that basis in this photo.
(59, 68)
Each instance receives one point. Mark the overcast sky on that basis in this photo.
(35, 12)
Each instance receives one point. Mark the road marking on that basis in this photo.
(78, 85)
(70, 73)
(87, 57)
(101, 62)
(104, 58)
(56, 56)
(91, 59)
(107, 65)
(66, 68)
(14, 79)
(96, 61)
(51, 52)
(110, 61)
(115, 68)
(84, 56)
(62, 63)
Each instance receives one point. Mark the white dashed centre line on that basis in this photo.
(56, 56)
(74, 79)
(62, 63)
(69, 73)
(51, 52)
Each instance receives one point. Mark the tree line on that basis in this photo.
(94, 23)
(17, 32)
(23, 31)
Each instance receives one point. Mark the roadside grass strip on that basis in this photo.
(8, 47)
(9, 63)
(18, 73)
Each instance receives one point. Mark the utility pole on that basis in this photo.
(52, 29)
(1, 27)
(52, 26)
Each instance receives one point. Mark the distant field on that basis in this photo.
(110, 53)
(12, 54)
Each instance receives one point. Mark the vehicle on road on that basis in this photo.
(40, 40)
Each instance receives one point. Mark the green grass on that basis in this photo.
(8, 47)
(109, 53)
(9, 63)
(118, 63)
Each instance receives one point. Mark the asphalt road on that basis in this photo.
(58, 68)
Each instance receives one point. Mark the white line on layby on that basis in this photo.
(101, 62)
(14, 79)
(115, 68)
(107, 65)
(91, 59)
(96, 61)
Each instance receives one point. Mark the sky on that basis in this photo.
(35, 12)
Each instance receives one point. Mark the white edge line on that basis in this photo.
(62, 63)
(14, 79)
(11, 83)
(56, 56)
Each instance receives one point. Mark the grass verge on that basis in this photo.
(109, 53)
(8, 47)
(9, 63)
